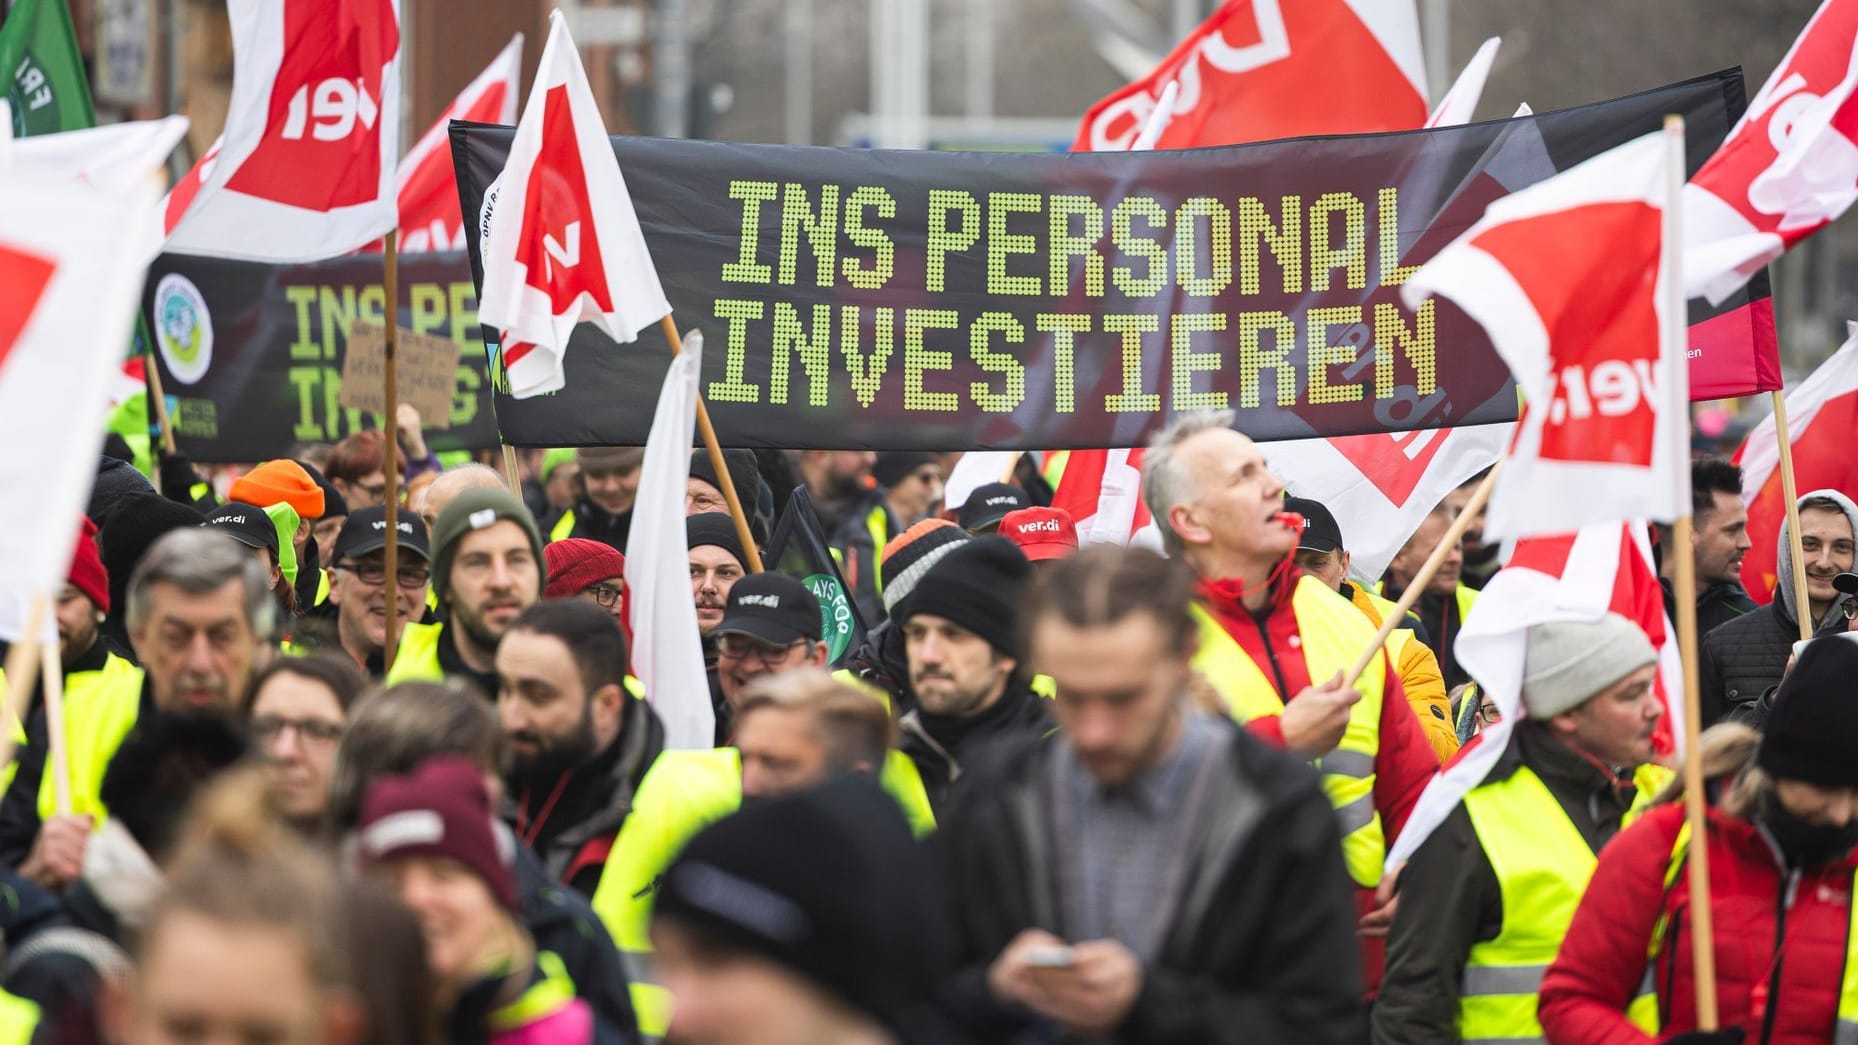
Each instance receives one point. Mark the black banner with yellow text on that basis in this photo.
(866, 299)
(251, 354)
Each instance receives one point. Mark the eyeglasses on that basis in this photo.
(604, 594)
(374, 572)
(378, 491)
(741, 647)
(268, 728)
(1489, 714)
(1849, 608)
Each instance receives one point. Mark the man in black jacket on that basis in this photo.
(579, 742)
(1149, 874)
(966, 668)
(1743, 658)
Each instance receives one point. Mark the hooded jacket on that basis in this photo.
(941, 744)
(1742, 658)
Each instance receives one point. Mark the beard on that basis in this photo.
(555, 756)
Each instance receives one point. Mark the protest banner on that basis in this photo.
(879, 300)
(428, 369)
(251, 354)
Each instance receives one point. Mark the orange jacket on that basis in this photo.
(1419, 675)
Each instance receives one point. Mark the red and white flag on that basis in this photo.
(1572, 280)
(1263, 69)
(68, 293)
(1102, 489)
(1788, 167)
(1822, 414)
(564, 244)
(667, 654)
(305, 168)
(1603, 568)
(114, 156)
(428, 187)
(1461, 98)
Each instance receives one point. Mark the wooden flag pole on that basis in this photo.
(1784, 442)
(512, 475)
(1417, 585)
(158, 401)
(390, 465)
(22, 666)
(57, 754)
(742, 531)
(1675, 340)
(1006, 474)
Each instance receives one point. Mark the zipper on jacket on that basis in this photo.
(1782, 904)
(1270, 654)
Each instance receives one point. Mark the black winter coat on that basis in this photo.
(1262, 949)
(1743, 658)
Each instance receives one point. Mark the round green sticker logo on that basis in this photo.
(835, 613)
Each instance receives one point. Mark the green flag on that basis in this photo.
(45, 81)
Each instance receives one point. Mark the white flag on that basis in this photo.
(667, 654)
(68, 295)
(1461, 99)
(564, 244)
(305, 168)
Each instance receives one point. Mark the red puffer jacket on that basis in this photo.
(1778, 961)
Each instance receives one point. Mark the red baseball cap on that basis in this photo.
(1041, 533)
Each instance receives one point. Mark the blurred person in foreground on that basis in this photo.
(1149, 873)
(1781, 869)
(297, 710)
(858, 945)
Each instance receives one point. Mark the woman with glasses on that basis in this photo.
(297, 710)
(579, 568)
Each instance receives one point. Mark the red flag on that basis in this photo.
(1102, 489)
(1263, 69)
(1569, 279)
(1606, 567)
(428, 189)
(1788, 167)
(304, 169)
(564, 243)
(1822, 414)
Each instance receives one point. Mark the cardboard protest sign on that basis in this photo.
(425, 367)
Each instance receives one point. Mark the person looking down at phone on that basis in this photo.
(1150, 872)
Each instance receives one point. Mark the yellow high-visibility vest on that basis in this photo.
(1333, 633)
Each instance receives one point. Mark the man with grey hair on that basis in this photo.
(1277, 644)
(200, 616)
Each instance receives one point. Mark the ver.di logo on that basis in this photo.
(183, 328)
(835, 614)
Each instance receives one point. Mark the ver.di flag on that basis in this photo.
(1602, 568)
(666, 653)
(1822, 414)
(1264, 69)
(305, 168)
(428, 187)
(563, 244)
(45, 83)
(68, 293)
(1570, 277)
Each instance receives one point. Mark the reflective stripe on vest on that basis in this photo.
(1542, 866)
(1333, 634)
(563, 528)
(417, 659)
(544, 998)
(101, 708)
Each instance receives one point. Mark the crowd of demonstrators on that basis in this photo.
(1060, 792)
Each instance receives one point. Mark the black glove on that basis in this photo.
(178, 477)
(1729, 1036)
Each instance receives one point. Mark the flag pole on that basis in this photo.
(1012, 466)
(742, 531)
(1702, 931)
(1417, 586)
(159, 401)
(512, 475)
(1802, 609)
(21, 667)
(390, 467)
(57, 754)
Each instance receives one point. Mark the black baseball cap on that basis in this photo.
(366, 531)
(772, 607)
(989, 504)
(1320, 533)
(246, 523)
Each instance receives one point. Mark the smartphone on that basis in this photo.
(1051, 958)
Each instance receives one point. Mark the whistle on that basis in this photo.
(1293, 520)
